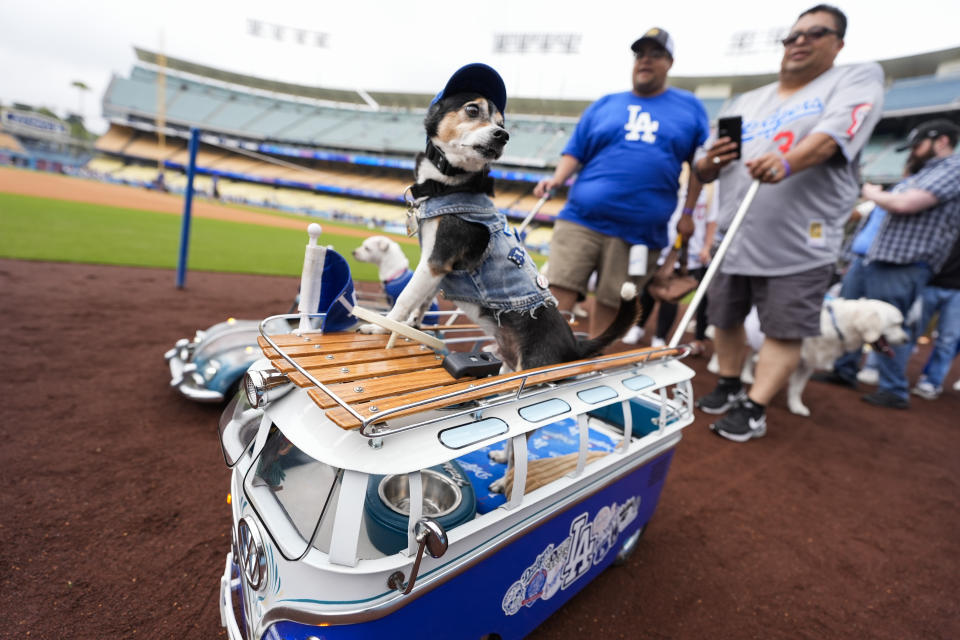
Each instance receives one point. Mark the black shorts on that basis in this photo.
(788, 306)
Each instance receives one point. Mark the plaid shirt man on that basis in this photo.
(929, 235)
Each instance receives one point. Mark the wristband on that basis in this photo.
(786, 167)
(687, 211)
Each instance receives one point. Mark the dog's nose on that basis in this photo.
(501, 135)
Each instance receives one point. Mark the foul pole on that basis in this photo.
(187, 209)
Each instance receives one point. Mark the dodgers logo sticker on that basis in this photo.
(559, 566)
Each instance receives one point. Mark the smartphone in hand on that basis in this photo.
(731, 127)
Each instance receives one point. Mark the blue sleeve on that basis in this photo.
(579, 144)
(703, 126)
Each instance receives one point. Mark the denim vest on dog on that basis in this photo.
(507, 279)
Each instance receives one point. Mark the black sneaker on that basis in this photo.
(886, 399)
(741, 424)
(832, 377)
(721, 400)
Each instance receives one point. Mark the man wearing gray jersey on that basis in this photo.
(802, 138)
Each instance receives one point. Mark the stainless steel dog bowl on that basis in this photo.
(441, 495)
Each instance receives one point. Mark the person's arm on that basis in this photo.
(567, 166)
(904, 203)
(685, 223)
(773, 167)
(709, 236)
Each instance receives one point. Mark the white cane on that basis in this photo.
(714, 264)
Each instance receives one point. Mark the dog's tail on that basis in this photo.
(625, 318)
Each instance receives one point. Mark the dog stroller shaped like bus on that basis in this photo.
(360, 483)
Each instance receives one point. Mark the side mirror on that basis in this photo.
(433, 537)
(431, 534)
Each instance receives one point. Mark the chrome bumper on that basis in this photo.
(185, 384)
(227, 584)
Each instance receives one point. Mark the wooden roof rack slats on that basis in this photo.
(466, 390)
(376, 388)
(349, 358)
(293, 340)
(312, 349)
(336, 374)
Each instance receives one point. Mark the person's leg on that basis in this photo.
(611, 274)
(853, 286)
(775, 363)
(730, 301)
(665, 319)
(701, 316)
(900, 285)
(729, 345)
(948, 335)
(789, 310)
(575, 252)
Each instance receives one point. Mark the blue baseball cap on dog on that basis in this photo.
(477, 78)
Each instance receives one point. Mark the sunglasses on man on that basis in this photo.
(811, 34)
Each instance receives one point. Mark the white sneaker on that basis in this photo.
(634, 335)
(868, 376)
(657, 342)
(926, 390)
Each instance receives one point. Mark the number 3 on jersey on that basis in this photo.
(640, 125)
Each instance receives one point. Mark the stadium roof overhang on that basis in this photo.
(905, 67)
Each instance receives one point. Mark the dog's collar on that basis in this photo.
(479, 183)
(396, 275)
(440, 161)
(836, 325)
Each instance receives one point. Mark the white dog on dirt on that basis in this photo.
(845, 325)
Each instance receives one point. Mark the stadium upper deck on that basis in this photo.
(262, 110)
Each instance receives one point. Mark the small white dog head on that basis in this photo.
(879, 324)
(383, 252)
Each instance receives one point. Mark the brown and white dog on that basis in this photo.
(465, 133)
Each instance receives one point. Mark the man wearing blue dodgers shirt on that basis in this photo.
(802, 138)
(629, 148)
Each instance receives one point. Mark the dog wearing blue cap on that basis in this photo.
(468, 250)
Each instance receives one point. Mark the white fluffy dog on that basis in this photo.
(386, 254)
(845, 325)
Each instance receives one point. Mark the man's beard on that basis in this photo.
(915, 162)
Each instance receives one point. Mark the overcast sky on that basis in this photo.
(414, 45)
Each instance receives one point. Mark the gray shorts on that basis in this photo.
(788, 306)
(576, 252)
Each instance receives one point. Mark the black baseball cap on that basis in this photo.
(657, 35)
(931, 129)
(477, 78)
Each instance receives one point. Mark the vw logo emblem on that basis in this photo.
(252, 561)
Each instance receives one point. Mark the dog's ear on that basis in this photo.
(869, 324)
(383, 244)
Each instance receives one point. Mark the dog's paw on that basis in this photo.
(498, 455)
(497, 486)
(628, 291)
(798, 409)
(371, 328)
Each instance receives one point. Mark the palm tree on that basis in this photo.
(81, 87)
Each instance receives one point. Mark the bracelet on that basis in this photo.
(687, 211)
(786, 167)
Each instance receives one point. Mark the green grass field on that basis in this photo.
(45, 229)
(62, 231)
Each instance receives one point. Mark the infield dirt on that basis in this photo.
(114, 519)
